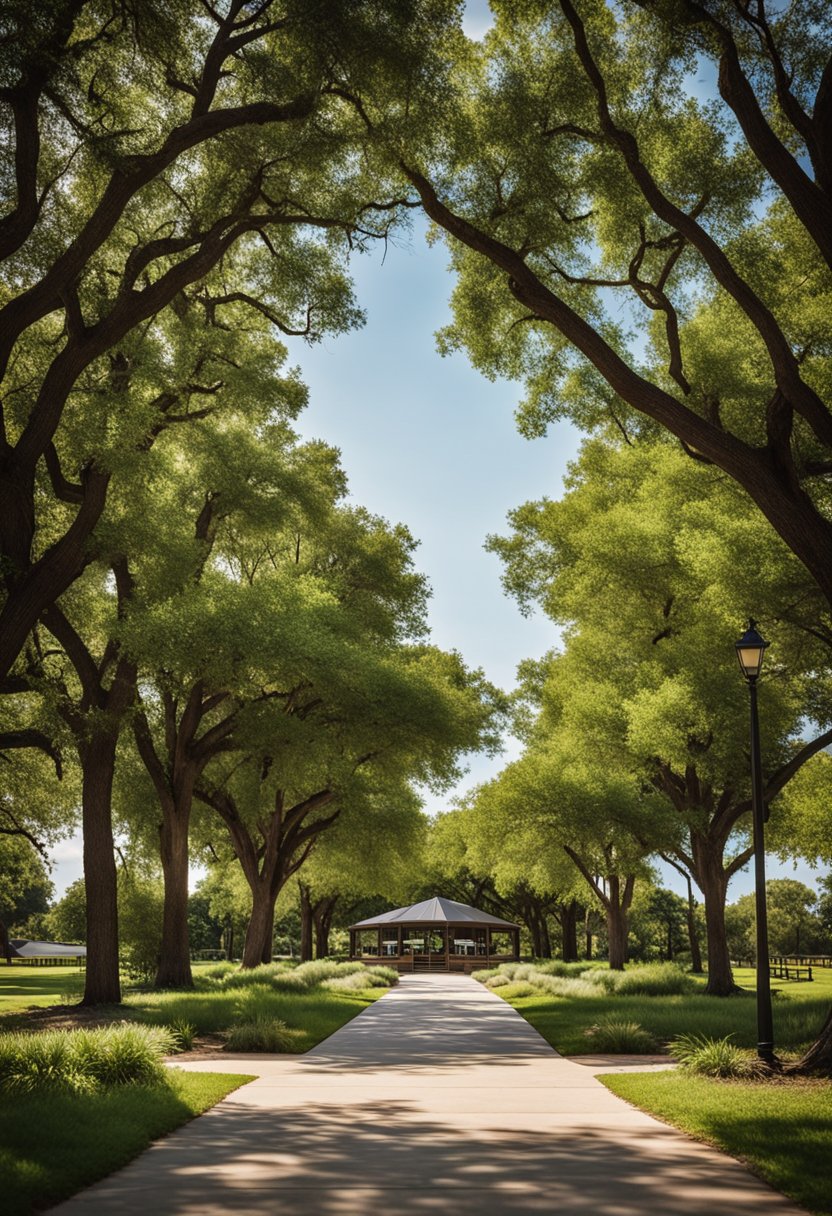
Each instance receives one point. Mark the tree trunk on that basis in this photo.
(268, 937)
(321, 937)
(533, 925)
(545, 939)
(260, 926)
(818, 1059)
(587, 935)
(228, 941)
(617, 933)
(98, 759)
(713, 883)
(693, 933)
(324, 911)
(306, 923)
(174, 969)
(568, 917)
(5, 944)
(617, 907)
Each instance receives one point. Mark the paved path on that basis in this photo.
(438, 1099)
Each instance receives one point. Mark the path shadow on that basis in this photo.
(382, 1157)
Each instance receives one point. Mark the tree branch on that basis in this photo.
(785, 365)
(28, 737)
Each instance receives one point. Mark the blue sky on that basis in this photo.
(429, 442)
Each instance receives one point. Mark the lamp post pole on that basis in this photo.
(750, 650)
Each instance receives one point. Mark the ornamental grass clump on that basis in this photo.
(366, 977)
(265, 1034)
(564, 986)
(554, 966)
(620, 1037)
(649, 979)
(256, 1027)
(182, 1033)
(314, 973)
(517, 988)
(498, 980)
(254, 975)
(82, 1061)
(711, 1057)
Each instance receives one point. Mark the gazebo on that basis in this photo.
(435, 935)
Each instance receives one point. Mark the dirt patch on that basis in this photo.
(205, 1047)
(61, 1017)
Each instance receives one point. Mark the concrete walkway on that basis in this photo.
(437, 1099)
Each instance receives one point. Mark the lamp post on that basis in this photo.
(750, 650)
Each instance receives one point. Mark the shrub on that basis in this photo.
(620, 1037)
(654, 979)
(517, 988)
(350, 980)
(261, 1034)
(563, 986)
(601, 978)
(182, 1033)
(348, 983)
(711, 1057)
(349, 977)
(651, 979)
(554, 966)
(123, 1055)
(388, 975)
(315, 972)
(289, 981)
(82, 1060)
(253, 975)
(498, 981)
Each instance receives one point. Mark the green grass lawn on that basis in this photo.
(55, 1144)
(22, 987)
(799, 1013)
(783, 1131)
(311, 1016)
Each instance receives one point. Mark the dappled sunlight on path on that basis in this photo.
(438, 1098)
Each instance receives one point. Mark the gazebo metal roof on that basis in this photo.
(436, 911)
(26, 949)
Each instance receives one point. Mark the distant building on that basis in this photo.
(44, 954)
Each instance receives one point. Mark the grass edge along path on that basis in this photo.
(54, 1144)
(782, 1132)
(799, 1012)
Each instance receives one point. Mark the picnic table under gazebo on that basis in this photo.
(435, 935)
